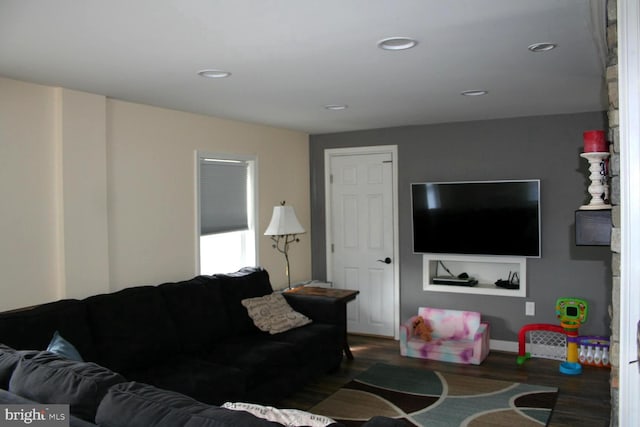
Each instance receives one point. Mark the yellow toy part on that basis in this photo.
(572, 313)
(572, 310)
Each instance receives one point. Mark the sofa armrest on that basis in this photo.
(481, 343)
(482, 329)
(317, 308)
(406, 329)
(482, 334)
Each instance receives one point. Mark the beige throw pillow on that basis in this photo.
(271, 313)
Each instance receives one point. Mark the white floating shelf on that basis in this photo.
(486, 269)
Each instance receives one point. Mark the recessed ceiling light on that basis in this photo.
(397, 43)
(474, 92)
(542, 47)
(336, 107)
(214, 74)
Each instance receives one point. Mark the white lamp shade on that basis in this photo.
(283, 222)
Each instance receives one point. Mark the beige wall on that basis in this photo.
(98, 194)
(28, 238)
(82, 193)
(151, 164)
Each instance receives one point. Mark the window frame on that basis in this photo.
(252, 209)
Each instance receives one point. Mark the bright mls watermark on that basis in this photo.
(34, 415)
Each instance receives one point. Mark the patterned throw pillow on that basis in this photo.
(271, 313)
(286, 417)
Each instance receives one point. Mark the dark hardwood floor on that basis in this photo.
(584, 400)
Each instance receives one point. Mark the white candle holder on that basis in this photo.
(599, 188)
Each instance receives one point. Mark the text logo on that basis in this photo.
(34, 415)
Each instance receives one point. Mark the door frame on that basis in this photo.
(628, 19)
(379, 149)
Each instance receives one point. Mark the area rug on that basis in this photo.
(421, 397)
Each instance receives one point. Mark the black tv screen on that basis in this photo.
(477, 218)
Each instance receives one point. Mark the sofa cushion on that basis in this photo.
(271, 368)
(9, 359)
(198, 312)
(257, 353)
(248, 282)
(141, 405)
(318, 344)
(204, 381)
(271, 313)
(459, 348)
(132, 328)
(32, 328)
(47, 378)
(451, 324)
(63, 348)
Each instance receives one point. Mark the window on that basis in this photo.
(226, 208)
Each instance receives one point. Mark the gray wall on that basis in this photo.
(545, 148)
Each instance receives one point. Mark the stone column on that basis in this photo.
(614, 167)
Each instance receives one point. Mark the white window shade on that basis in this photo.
(223, 196)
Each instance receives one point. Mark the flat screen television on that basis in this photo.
(477, 217)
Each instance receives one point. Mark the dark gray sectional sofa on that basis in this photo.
(167, 352)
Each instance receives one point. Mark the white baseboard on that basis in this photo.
(499, 345)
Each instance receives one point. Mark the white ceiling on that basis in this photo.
(289, 58)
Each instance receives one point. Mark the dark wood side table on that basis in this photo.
(342, 297)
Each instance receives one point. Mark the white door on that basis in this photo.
(361, 228)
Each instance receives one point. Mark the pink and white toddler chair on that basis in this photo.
(458, 336)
